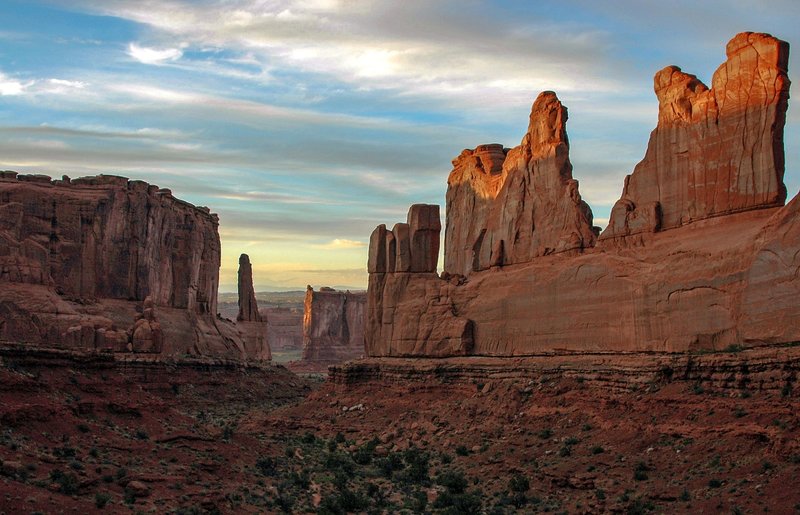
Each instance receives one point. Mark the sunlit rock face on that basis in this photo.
(108, 263)
(700, 252)
(508, 206)
(715, 151)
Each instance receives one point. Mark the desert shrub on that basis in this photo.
(466, 503)
(390, 464)
(267, 466)
(417, 463)
(101, 499)
(453, 480)
(544, 434)
(462, 450)
(640, 471)
(67, 482)
(518, 483)
(596, 449)
(715, 483)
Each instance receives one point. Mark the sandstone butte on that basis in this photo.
(333, 325)
(106, 263)
(700, 252)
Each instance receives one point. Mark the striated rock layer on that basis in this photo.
(715, 151)
(731, 277)
(333, 325)
(107, 263)
(510, 206)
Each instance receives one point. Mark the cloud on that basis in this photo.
(148, 55)
(412, 47)
(11, 87)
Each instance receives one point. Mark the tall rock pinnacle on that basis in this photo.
(248, 309)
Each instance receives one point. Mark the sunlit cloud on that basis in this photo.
(341, 243)
(148, 55)
(11, 87)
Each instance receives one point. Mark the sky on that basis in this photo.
(306, 123)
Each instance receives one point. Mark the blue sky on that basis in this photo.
(306, 123)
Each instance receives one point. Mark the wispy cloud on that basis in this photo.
(340, 243)
(147, 55)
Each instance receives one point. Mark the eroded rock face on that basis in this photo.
(509, 206)
(284, 327)
(333, 325)
(248, 307)
(406, 314)
(730, 277)
(715, 151)
(107, 263)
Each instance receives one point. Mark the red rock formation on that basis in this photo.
(248, 307)
(333, 325)
(715, 151)
(78, 258)
(508, 207)
(719, 281)
(251, 327)
(284, 327)
(426, 324)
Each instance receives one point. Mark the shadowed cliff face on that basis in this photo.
(658, 283)
(333, 325)
(715, 151)
(110, 264)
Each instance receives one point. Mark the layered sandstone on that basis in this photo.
(108, 263)
(509, 206)
(728, 278)
(333, 325)
(715, 151)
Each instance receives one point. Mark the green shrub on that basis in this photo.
(101, 499)
(267, 466)
(453, 480)
(544, 434)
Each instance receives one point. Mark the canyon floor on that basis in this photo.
(88, 434)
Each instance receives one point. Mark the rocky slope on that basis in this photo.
(105, 263)
(727, 278)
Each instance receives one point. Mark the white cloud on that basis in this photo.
(147, 55)
(10, 87)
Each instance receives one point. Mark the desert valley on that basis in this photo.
(549, 366)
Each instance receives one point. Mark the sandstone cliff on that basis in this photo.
(727, 278)
(93, 262)
(333, 325)
(715, 151)
(509, 206)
